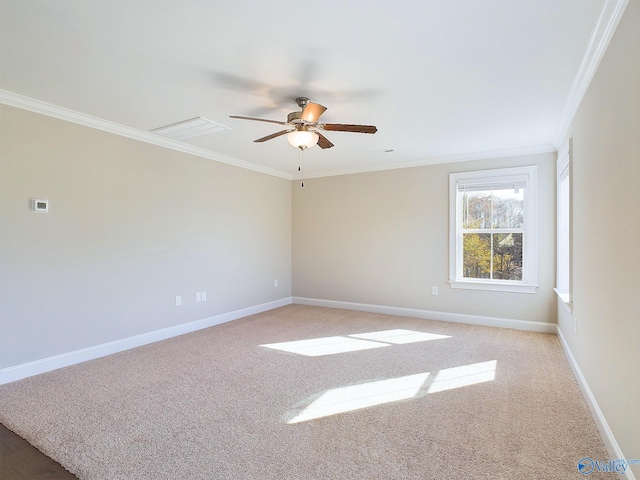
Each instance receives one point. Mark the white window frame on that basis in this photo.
(564, 225)
(528, 284)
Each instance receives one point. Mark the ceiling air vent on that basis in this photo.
(195, 127)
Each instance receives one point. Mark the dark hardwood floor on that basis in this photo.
(20, 461)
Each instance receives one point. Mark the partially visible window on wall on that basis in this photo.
(493, 230)
(563, 202)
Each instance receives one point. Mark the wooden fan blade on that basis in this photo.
(273, 135)
(340, 127)
(312, 112)
(258, 119)
(323, 142)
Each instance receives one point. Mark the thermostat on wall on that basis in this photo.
(39, 205)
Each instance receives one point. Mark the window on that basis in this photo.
(493, 230)
(563, 273)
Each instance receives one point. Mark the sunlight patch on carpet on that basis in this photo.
(352, 343)
(400, 336)
(325, 346)
(456, 377)
(356, 397)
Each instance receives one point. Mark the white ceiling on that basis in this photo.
(442, 80)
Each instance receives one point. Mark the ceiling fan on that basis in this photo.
(303, 127)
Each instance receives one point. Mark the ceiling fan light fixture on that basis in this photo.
(302, 139)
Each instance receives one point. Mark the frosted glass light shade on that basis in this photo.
(302, 138)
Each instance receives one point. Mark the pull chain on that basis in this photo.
(301, 168)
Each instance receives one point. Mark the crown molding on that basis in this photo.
(465, 157)
(601, 36)
(55, 111)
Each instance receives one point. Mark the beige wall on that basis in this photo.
(382, 238)
(130, 226)
(606, 228)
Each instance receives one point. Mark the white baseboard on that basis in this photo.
(18, 372)
(543, 327)
(615, 452)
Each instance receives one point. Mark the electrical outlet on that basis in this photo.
(275, 283)
(178, 300)
(434, 290)
(198, 296)
(204, 296)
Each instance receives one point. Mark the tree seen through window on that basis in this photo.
(492, 232)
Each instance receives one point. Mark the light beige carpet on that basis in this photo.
(464, 402)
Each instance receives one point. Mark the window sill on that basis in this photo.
(493, 286)
(565, 297)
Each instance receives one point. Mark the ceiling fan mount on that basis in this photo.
(302, 102)
(307, 120)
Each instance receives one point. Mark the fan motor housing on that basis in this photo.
(294, 117)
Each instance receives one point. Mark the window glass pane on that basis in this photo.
(507, 256)
(563, 236)
(493, 208)
(476, 255)
(476, 209)
(508, 208)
